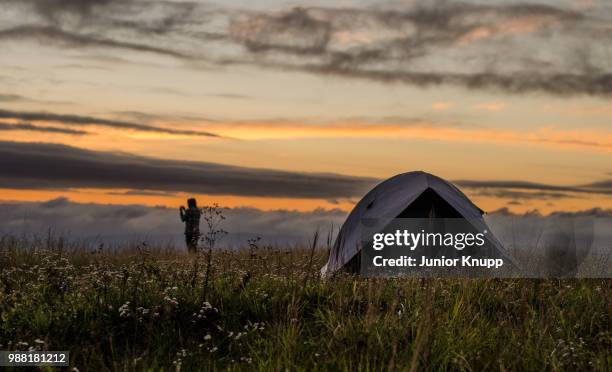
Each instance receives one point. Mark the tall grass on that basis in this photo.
(144, 308)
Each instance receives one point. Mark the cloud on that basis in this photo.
(94, 224)
(512, 48)
(39, 165)
(413, 46)
(550, 191)
(593, 212)
(88, 121)
(601, 185)
(143, 193)
(55, 11)
(12, 98)
(115, 224)
(52, 166)
(522, 195)
(516, 185)
(295, 32)
(39, 128)
(50, 8)
(54, 35)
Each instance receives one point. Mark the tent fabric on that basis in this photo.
(387, 200)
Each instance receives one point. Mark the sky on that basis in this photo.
(298, 107)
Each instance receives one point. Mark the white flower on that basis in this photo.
(124, 310)
(171, 300)
(207, 337)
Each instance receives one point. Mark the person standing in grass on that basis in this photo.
(191, 218)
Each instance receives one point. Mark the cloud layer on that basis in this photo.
(88, 121)
(52, 166)
(39, 128)
(41, 165)
(551, 47)
(137, 223)
(117, 224)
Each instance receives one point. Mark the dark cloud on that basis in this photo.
(534, 190)
(516, 185)
(38, 165)
(561, 84)
(39, 128)
(12, 98)
(128, 223)
(53, 10)
(295, 31)
(53, 35)
(421, 27)
(422, 33)
(87, 121)
(593, 212)
(41, 165)
(501, 46)
(606, 185)
(521, 195)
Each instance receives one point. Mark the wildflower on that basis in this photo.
(124, 310)
(171, 300)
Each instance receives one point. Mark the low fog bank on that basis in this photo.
(586, 233)
(95, 224)
(557, 245)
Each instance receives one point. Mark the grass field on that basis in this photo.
(267, 309)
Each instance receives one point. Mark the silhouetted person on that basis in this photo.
(191, 218)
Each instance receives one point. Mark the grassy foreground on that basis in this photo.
(267, 309)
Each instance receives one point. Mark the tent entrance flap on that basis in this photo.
(429, 205)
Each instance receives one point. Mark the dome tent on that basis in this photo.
(408, 195)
